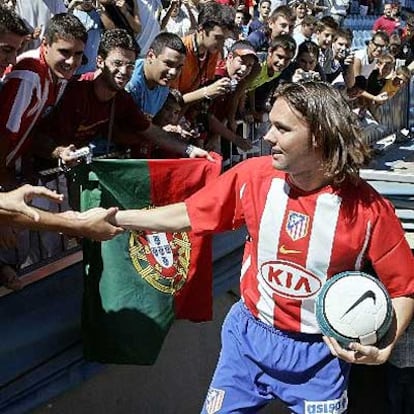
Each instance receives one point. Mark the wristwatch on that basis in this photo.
(189, 150)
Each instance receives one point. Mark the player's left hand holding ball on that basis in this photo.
(359, 354)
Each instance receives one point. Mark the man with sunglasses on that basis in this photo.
(364, 59)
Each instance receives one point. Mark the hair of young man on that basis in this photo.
(215, 14)
(286, 42)
(333, 124)
(282, 11)
(170, 40)
(265, 1)
(327, 22)
(11, 22)
(308, 47)
(174, 95)
(403, 70)
(65, 26)
(386, 58)
(308, 20)
(116, 38)
(395, 39)
(241, 44)
(343, 34)
(381, 35)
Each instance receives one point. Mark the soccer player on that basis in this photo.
(309, 216)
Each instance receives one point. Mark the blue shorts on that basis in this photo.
(259, 363)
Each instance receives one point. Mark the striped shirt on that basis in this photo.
(298, 240)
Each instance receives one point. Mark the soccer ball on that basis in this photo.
(354, 307)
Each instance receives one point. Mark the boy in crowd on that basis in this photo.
(280, 22)
(384, 67)
(342, 70)
(238, 65)
(13, 32)
(203, 49)
(260, 21)
(325, 32)
(150, 81)
(400, 77)
(260, 89)
(305, 30)
(34, 86)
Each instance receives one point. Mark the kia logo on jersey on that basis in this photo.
(290, 280)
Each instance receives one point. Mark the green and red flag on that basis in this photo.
(137, 284)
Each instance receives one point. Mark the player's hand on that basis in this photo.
(357, 353)
(16, 201)
(97, 224)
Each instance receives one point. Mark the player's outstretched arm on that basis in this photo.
(173, 217)
(376, 355)
(16, 201)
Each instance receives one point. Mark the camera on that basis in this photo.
(310, 76)
(82, 154)
(345, 53)
(233, 85)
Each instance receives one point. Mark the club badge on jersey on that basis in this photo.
(297, 225)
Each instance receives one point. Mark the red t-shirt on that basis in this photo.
(385, 24)
(28, 93)
(81, 117)
(298, 240)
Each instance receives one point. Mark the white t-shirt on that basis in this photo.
(366, 67)
(180, 25)
(150, 27)
(38, 13)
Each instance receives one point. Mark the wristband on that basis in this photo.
(189, 150)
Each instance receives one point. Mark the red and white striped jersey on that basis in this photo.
(300, 239)
(28, 92)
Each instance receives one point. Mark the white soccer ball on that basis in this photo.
(354, 307)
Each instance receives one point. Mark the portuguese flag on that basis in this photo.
(139, 282)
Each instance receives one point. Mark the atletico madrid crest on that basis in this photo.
(161, 259)
(297, 225)
(214, 400)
